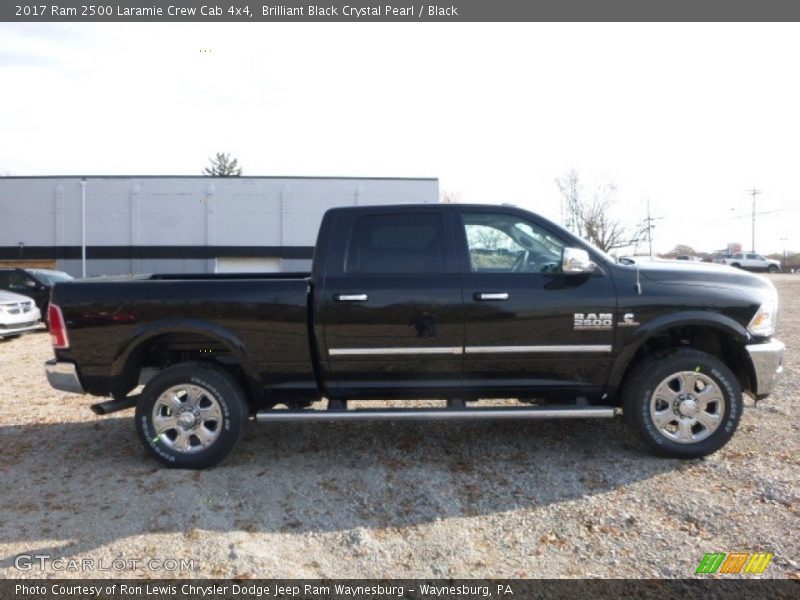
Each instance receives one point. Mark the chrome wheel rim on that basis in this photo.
(687, 407)
(187, 418)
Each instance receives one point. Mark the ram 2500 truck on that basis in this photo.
(449, 302)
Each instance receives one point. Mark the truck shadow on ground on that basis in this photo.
(73, 487)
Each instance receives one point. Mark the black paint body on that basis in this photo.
(280, 328)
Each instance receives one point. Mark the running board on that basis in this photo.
(436, 414)
(110, 406)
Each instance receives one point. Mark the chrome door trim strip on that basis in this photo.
(580, 348)
(537, 349)
(390, 351)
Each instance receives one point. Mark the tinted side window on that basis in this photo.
(4, 279)
(397, 243)
(19, 281)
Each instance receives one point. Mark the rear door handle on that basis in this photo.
(351, 297)
(489, 296)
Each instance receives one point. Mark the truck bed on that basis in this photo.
(258, 320)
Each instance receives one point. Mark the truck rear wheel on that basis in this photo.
(191, 415)
(685, 404)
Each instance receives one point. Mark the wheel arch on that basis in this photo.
(184, 334)
(713, 333)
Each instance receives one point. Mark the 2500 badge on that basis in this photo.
(593, 321)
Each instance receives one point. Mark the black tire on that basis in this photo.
(642, 406)
(201, 391)
(736, 266)
(772, 269)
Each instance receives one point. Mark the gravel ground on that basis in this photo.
(535, 499)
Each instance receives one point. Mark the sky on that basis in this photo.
(687, 116)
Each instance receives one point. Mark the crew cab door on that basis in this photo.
(390, 314)
(530, 330)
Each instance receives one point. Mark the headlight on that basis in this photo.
(763, 323)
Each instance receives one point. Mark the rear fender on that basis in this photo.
(142, 336)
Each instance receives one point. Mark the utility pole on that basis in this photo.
(83, 227)
(649, 225)
(783, 265)
(754, 192)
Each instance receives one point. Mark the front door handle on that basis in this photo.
(351, 297)
(489, 296)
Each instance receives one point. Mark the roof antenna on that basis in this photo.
(638, 285)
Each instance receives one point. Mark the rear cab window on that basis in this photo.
(397, 243)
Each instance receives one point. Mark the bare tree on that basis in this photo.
(590, 217)
(223, 166)
(680, 250)
(570, 187)
(486, 237)
(449, 197)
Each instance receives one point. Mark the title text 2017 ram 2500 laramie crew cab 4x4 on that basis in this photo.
(455, 302)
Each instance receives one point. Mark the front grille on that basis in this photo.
(18, 308)
(18, 325)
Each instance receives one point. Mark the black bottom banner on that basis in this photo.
(385, 589)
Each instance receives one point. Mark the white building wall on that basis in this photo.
(146, 224)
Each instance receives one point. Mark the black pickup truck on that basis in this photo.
(448, 302)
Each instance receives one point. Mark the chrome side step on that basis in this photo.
(435, 414)
(110, 406)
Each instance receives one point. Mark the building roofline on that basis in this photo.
(336, 177)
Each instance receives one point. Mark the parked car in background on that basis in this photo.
(33, 283)
(750, 261)
(18, 314)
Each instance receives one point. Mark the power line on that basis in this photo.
(758, 214)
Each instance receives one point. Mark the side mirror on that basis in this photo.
(576, 260)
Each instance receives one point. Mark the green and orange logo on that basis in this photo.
(734, 563)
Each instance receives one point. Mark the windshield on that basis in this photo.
(50, 277)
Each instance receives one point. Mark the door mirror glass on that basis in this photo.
(576, 260)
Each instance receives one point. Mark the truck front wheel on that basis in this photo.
(685, 404)
(191, 415)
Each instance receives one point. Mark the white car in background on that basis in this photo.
(18, 314)
(749, 261)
